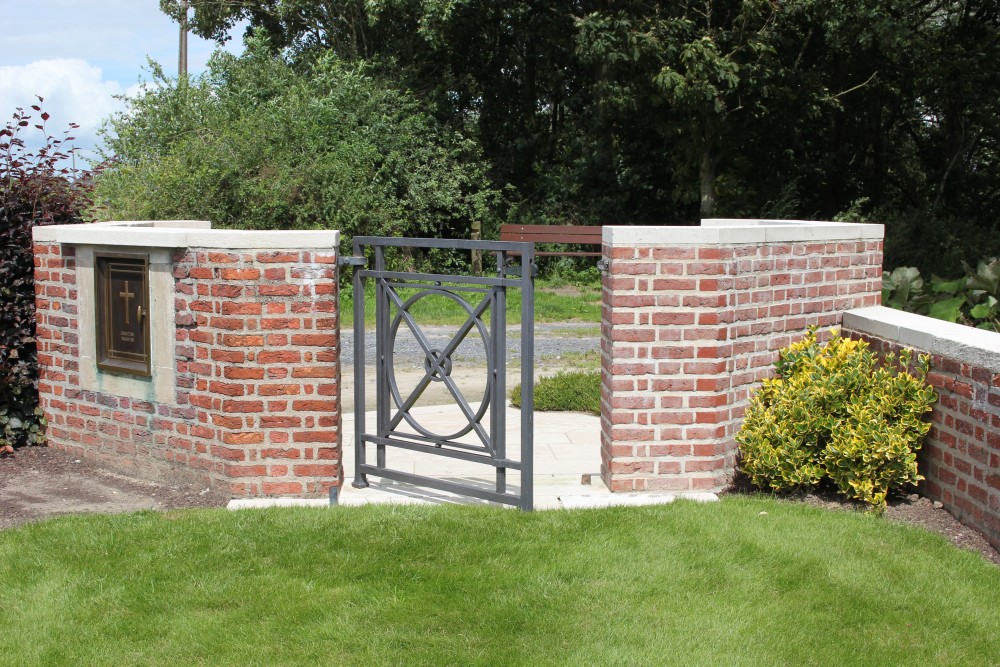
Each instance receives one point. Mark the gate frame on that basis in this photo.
(494, 290)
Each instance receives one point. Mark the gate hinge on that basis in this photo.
(602, 265)
(350, 260)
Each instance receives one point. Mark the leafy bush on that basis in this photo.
(833, 413)
(255, 143)
(34, 190)
(572, 391)
(973, 300)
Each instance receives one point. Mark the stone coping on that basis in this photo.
(184, 234)
(967, 344)
(722, 231)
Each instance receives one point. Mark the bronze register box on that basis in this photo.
(123, 313)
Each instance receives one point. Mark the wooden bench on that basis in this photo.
(572, 234)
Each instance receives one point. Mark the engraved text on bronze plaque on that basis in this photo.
(122, 313)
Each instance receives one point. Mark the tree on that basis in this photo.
(645, 111)
(256, 143)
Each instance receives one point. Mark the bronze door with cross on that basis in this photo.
(122, 296)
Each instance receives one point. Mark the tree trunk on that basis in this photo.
(182, 50)
(477, 255)
(706, 179)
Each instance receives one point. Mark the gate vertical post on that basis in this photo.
(527, 378)
(498, 339)
(381, 349)
(360, 479)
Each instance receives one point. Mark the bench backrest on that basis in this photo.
(577, 234)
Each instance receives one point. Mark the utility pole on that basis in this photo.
(182, 57)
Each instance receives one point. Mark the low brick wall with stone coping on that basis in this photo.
(693, 318)
(244, 390)
(960, 458)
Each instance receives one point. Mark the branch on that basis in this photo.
(857, 87)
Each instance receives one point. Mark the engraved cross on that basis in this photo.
(126, 295)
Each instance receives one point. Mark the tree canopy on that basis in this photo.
(256, 143)
(660, 112)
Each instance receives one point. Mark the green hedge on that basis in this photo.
(573, 391)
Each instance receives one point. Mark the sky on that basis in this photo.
(78, 55)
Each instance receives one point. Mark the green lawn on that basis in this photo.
(685, 584)
(581, 304)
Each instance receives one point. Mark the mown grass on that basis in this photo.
(552, 304)
(685, 584)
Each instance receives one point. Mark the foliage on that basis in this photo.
(570, 391)
(34, 190)
(257, 143)
(973, 299)
(658, 112)
(833, 413)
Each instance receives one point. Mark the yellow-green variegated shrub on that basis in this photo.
(834, 413)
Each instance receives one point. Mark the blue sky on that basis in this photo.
(78, 55)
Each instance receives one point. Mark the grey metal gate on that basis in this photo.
(481, 297)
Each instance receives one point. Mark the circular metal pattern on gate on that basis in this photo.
(438, 365)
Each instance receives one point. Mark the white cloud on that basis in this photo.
(74, 92)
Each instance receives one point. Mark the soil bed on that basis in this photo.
(39, 482)
(912, 509)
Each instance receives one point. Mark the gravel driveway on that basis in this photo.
(551, 340)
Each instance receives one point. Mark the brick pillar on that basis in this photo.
(244, 393)
(258, 350)
(692, 318)
(57, 340)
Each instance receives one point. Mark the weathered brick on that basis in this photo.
(279, 357)
(242, 406)
(239, 274)
(243, 373)
(314, 406)
(329, 371)
(319, 340)
(238, 340)
(281, 323)
(226, 388)
(244, 438)
(241, 308)
(279, 290)
(278, 389)
(315, 470)
(315, 436)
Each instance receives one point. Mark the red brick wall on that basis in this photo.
(960, 458)
(256, 408)
(688, 329)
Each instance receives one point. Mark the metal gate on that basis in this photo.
(484, 299)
